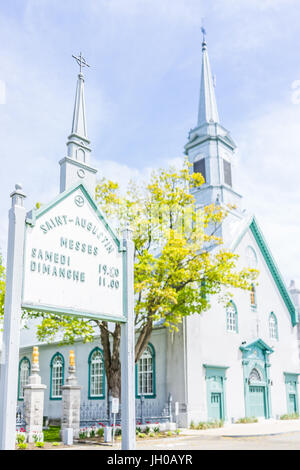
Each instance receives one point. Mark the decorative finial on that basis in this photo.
(81, 62)
(71, 358)
(127, 232)
(35, 355)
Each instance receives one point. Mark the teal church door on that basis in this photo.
(257, 381)
(216, 406)
(291, 381)
(216, 395)
(257, 406)
(215, 399)
(292, 403)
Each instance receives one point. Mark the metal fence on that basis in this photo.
(20, 418)
(146, 411)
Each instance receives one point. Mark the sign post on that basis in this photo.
(127, 351)
(115, 411)
(12, 321)
(64, 258)
(176, 415)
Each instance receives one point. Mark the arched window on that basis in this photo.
(57, 376)
(251, 257)
(253, 296)
(24, 373)
(273, 327)
(145, 373)
(254, 376)
(231, 317)
(96, 375)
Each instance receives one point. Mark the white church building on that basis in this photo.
(224, 364)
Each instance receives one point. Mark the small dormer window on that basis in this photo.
(199, 167)
(227, 173)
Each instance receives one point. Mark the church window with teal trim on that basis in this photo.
(96, 374)
(253, 297)
(24, 373)
(273, 326)
(145, 373)
(231, 317)
(57, 376)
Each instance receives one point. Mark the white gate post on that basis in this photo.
(127, 350)
(12, 321)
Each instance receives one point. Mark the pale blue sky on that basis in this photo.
(142, 95)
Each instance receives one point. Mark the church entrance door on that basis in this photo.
(257, 405)
(216, 406)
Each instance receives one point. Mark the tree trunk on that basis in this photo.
(111, 353)
(112, 362)
(143, 339)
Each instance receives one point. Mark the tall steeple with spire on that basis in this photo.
(210, 147)
(75, 167)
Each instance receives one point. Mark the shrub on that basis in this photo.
(20, 437)
(247, 420)
(147, 430)
(290, 416)
(22, 445)
(38, 437)
(56, 443)
(156, 429)
(39, 444)
(192, 425)
(209, 424)
(151, 434)
(169, 433)
(82, 434)
(100, 432)
(201, 425)
(141, 435)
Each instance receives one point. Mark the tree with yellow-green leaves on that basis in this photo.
(180, 261)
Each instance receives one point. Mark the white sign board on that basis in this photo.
(115, 405)
(73, 263)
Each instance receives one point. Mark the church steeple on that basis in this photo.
(76, 166)
(208, 111)
(210, 147)
(79, 129)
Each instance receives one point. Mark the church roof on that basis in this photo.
(259, 343)
(252, 225)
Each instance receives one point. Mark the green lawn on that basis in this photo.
(52, 434)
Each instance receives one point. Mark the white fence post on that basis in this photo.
(12, 321)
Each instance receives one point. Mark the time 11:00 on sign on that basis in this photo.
(109, 276)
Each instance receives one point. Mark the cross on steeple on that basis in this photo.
(81, 62)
